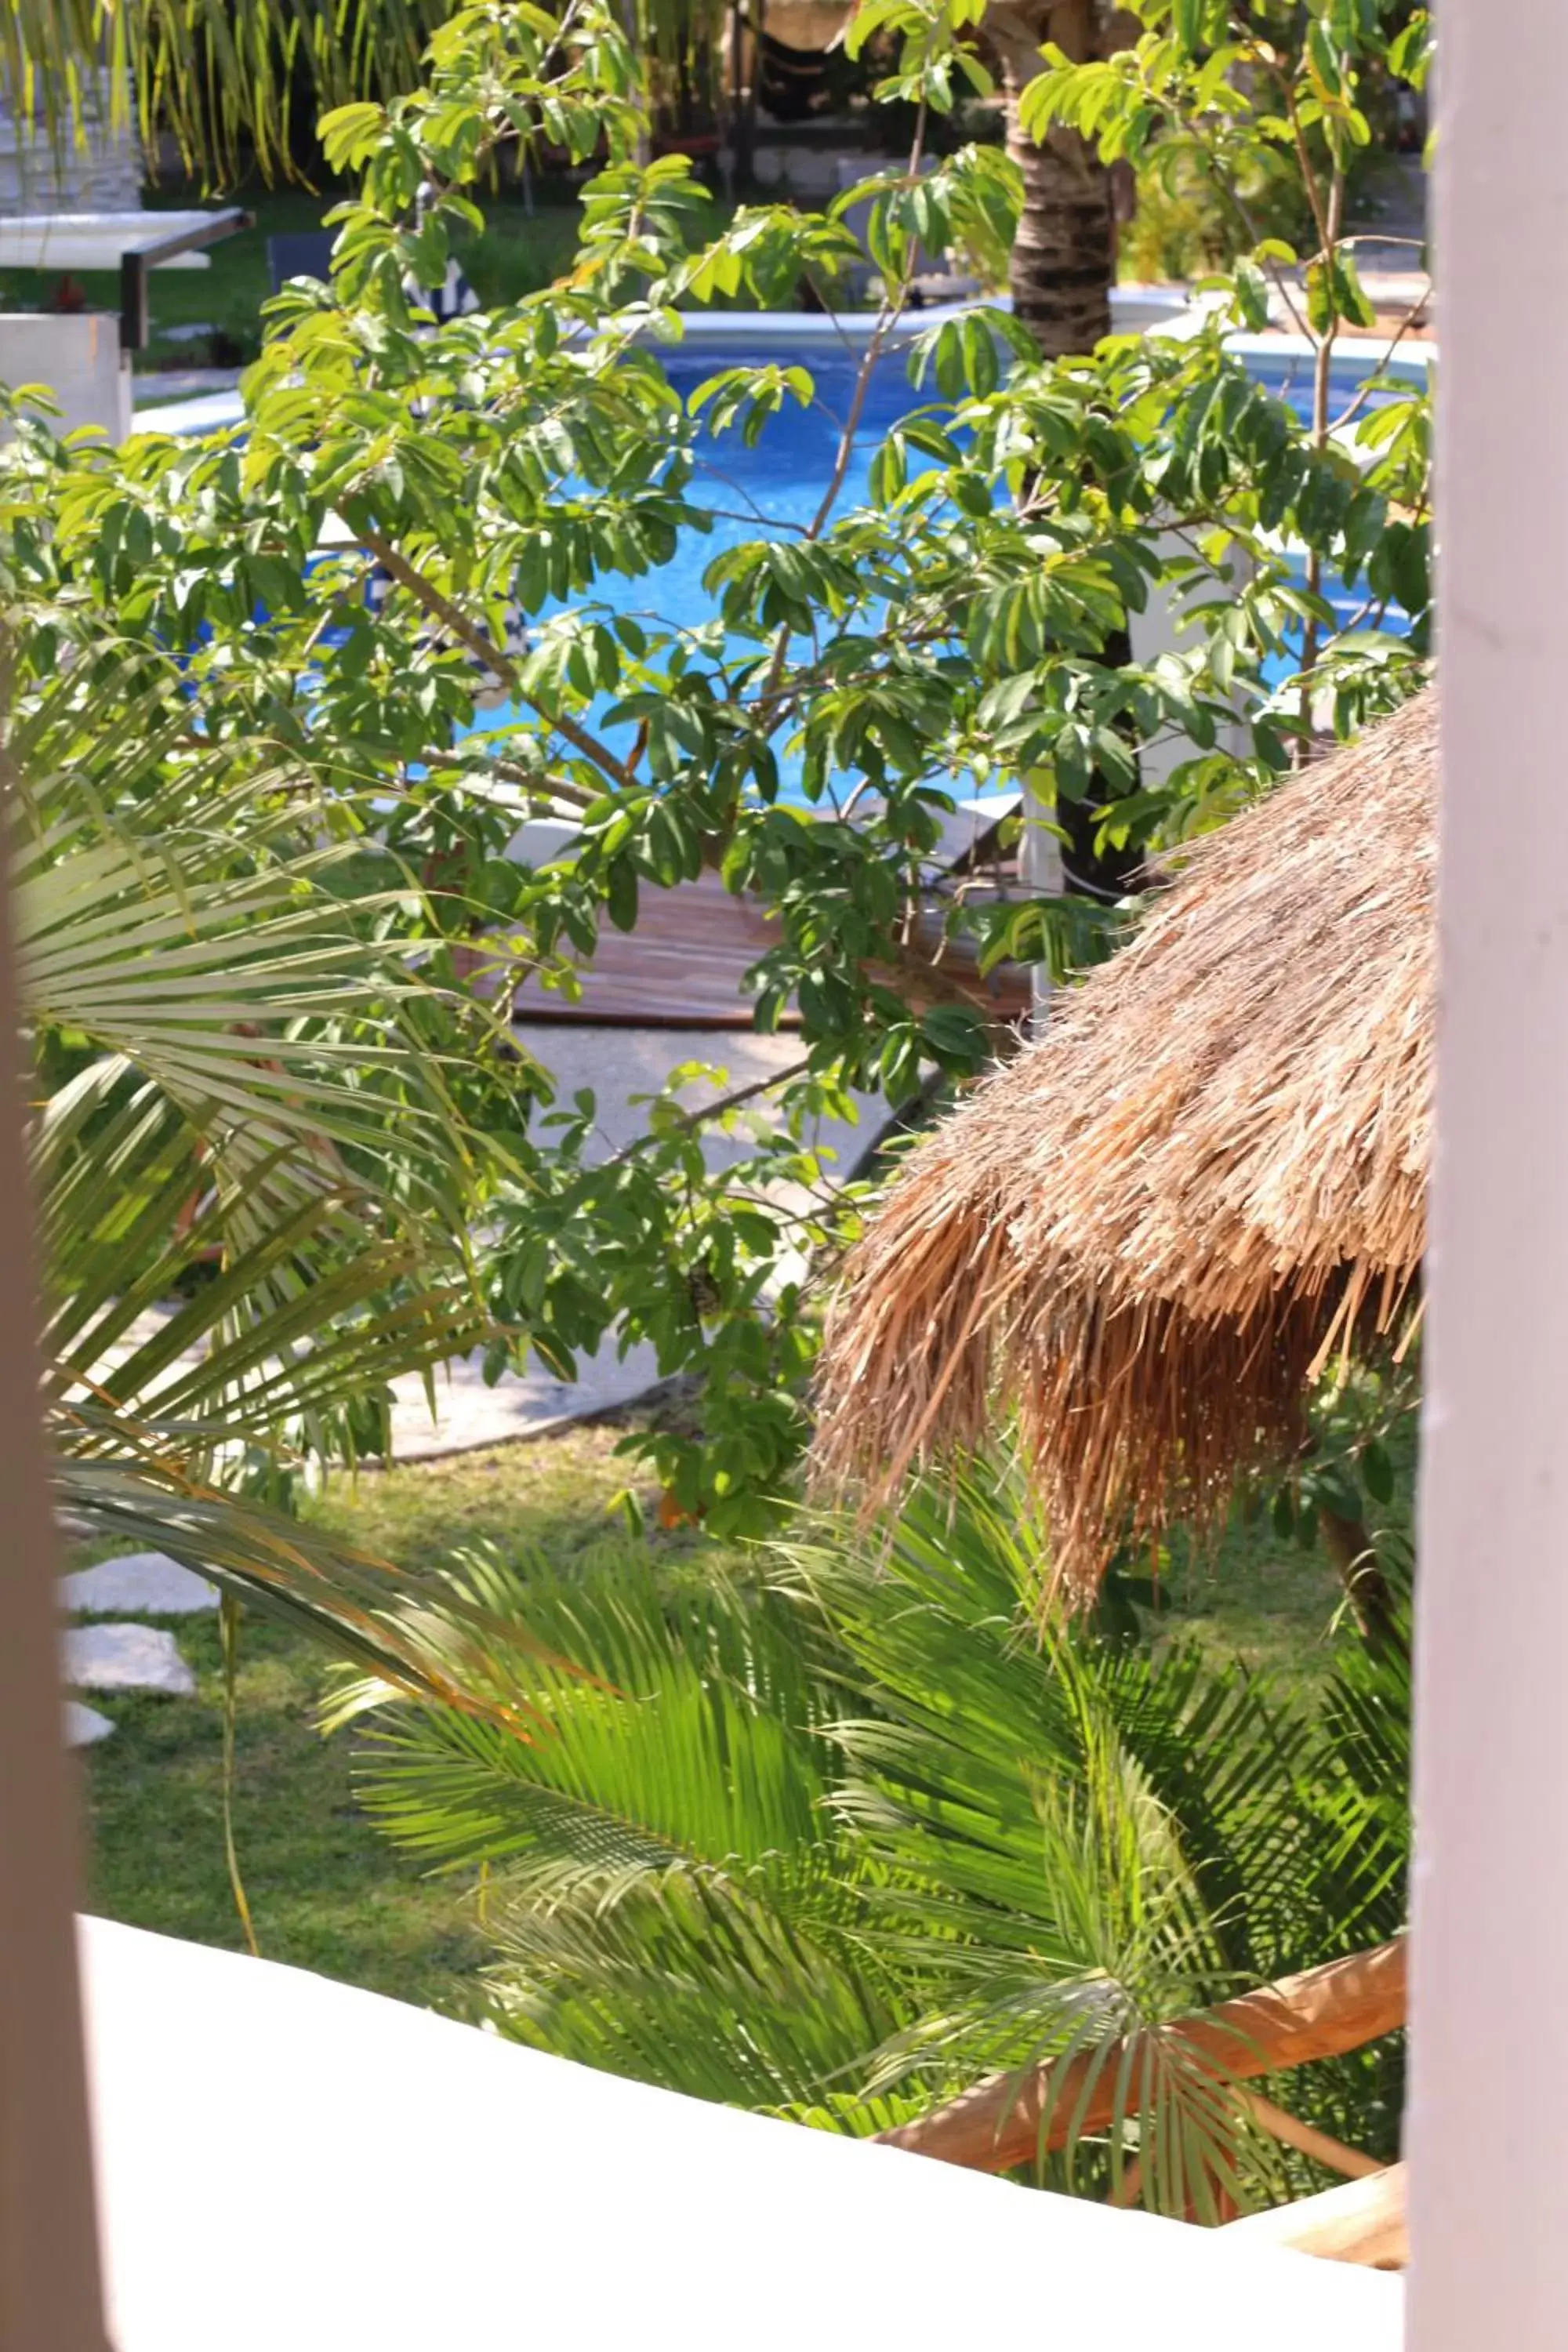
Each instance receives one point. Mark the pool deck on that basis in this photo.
(682, 967)
(685, 963)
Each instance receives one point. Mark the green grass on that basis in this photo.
(326, 1892)
(1254, 1595)
(549, 1495)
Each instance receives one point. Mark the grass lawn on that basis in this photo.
(1251, 1595)
(326, 1893)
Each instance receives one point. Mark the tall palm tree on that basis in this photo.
(1062, 269)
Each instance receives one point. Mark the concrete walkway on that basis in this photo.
(618, 1065)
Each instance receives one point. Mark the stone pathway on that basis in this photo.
(109, 1655)
(128, 1657)
(147, 1583)
(469, 1414)
(84, 1725)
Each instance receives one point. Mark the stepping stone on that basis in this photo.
(125, 1657)
(145, 1583)
(84, 1725)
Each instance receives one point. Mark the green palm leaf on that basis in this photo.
(843, 1842)
(254, 1187)
(1078, 1842)
(665, 1881)
(690, 1737)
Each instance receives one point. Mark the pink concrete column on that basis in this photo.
(48, 2256)
(1488, 2125)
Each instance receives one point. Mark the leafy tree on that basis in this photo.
(340, 578)
(1228, 93)
(839, 1839)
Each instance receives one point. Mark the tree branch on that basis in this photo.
(705, 1112)
(495, 659)
(888, 318)
(1320, 2013)
(544, 794)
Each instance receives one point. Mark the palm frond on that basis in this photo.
(1075, 1844)
(738, 1989)
(1020, 1847)
(360, 1606)
(174, 905)
(254, 1187)
(221, 74)
(688, 1737)
(664, 1884)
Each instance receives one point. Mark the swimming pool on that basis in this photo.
(778, 485)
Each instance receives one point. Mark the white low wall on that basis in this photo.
(480, 2193)
(80, 360)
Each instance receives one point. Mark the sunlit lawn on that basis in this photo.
(325, 1892)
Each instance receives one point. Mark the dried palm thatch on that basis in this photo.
(1148, 1230)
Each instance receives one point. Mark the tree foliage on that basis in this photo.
(411, 516)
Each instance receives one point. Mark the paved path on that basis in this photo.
(618, 1065)
(145, 1584)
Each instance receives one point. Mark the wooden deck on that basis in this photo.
(683, 967)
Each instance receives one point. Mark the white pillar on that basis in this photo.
(1488, 2125)
(1040, 872)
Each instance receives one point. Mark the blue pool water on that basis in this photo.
(781, 482)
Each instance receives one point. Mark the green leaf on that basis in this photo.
(1377, 1472)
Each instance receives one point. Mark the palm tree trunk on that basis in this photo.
(1064, 253)
(1063, 267)
(1354, 1560)
(1064, 257)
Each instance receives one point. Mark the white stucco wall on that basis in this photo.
(1487, 2124)
(78, 358)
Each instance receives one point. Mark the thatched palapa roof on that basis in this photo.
(1148, 1230)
